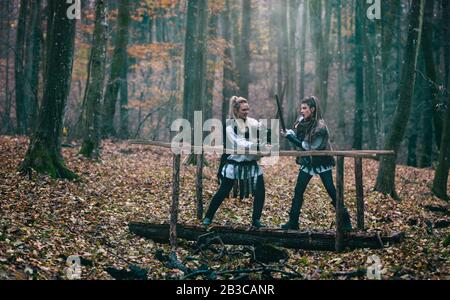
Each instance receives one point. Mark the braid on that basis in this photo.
(312, 102)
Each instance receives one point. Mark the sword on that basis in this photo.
(280, 114)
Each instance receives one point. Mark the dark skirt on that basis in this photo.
(316, 162)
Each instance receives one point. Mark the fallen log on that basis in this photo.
(249, 236)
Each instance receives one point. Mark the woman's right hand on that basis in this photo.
(287, 132)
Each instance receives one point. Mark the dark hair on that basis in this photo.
(310, 101)
(313, 102)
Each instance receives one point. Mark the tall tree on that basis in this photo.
(119, 60)
(320, 33)
(370, 81)
(303, 49)
(194, 78)
(386, 174)
(32, 60)
(236, 9)
(44, 151)
(391, 13)
(291, 95)
(228, 84)
(123, 95)
(340, 82)
(441, 176)
(244, 65)
(7, 125)
(95, 84)
(281, 17)
(211, 65)
(359, 76)
(195, 59)
(19, 69)
(428, 49)
(445, 34)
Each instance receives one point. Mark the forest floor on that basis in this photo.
(44, 221)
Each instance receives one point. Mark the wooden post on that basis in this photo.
(199, 186)
(175, 198)
(339, 242)
(359, 192)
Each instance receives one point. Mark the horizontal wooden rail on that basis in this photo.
(339, 238)
(212, 150)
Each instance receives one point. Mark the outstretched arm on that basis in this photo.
(237, 140)
(290, 135)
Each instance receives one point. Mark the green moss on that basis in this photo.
(42, 161)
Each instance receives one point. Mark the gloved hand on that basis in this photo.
(287, 132)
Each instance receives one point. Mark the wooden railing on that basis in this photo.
(340, 155)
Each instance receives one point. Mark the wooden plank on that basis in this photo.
(175, 200)
(359, 193)
(362, 154)
(220, 150)
(199, 186)
(339, 244)
(310, 240)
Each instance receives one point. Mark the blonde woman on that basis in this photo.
(240, 166)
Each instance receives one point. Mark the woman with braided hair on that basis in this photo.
(311, 134)
(242, 167)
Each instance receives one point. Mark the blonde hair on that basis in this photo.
(235, 104)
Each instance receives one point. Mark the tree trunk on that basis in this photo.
(418, 114)
(423, 109)
(31, 66)
(427, 49)
(235, 16)
(44, 151)
(195, 63)
(124, 132)
(211, 67)
(282, 48)
(320, 39)
(441, 175)
(117, 65)
(386, 174)
(7, 125)
(228, 67)
(195, 59)
(446, 35)
(359, 76)
(340, 81)
(199, 186)
(303, 49)
(370, 81)
(324, 241)
(390, 15)
(244, 65)
(94, 87)
(291, 95)
(175, 201)
(19, 69)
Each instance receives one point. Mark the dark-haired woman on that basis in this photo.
(311, 135)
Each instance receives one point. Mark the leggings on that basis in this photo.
(302, 182)
(224, 191)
